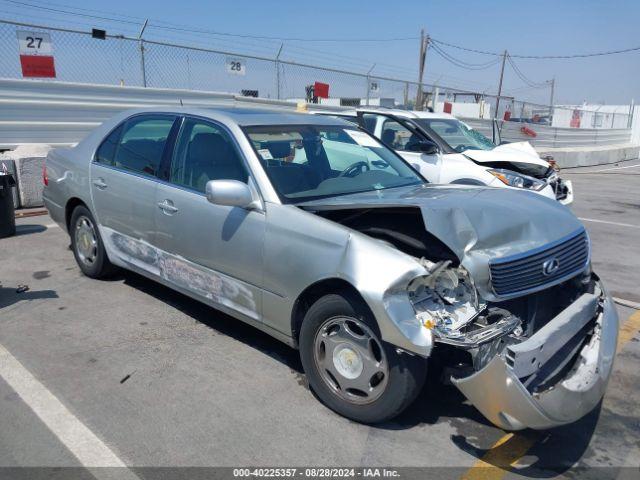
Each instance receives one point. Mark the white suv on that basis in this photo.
(446, 150)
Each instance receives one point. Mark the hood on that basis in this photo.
(520, 152)
(477, 223)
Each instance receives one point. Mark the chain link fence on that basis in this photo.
(119, 60)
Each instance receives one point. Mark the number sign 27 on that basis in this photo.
(34, 43)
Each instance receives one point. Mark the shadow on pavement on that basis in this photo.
(29, 229)
(9, 295)
(435, 403)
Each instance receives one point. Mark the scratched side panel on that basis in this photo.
(203, 282)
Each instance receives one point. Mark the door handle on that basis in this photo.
(99, 183)
(167, 207)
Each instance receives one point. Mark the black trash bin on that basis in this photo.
(7, 211)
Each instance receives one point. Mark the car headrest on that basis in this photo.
(388, 136)
(207, 147)
(279, 148)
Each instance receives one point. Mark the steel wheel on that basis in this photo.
(351, 360)
(86, 241)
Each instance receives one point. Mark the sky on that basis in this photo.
(523, 28)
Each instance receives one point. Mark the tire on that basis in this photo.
(88, 252)
(387, 393)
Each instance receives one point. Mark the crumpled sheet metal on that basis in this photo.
(183, 273)
(476, 223)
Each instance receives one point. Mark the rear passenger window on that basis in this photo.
(142, 144)
(107, 151)
(205, 152)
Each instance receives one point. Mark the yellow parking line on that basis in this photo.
(628, 330)
(502, 455)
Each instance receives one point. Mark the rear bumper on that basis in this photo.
(498, 391)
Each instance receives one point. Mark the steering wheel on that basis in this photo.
(355, 169)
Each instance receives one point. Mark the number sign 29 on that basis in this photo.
(236, 66)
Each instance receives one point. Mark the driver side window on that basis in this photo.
(399, 137)
(205, 152)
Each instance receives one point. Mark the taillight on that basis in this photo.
(45, 178)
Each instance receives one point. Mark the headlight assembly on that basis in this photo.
(518, 180)
(445, 300)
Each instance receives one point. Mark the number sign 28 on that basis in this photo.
(236, 66)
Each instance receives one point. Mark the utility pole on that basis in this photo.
(553, 87)
(504, 59)
(424, 45)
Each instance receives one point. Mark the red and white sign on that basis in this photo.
(321, 90)
(36, 54)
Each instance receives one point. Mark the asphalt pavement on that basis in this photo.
(126, 372)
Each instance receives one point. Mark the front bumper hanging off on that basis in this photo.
(498, 390)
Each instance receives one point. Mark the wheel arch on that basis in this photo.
(70, 206)
(316, 291)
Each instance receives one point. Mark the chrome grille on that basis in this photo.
(521, 273)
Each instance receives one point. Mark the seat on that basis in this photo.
(210, 157)
(388, 136)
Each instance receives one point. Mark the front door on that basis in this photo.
(402, 140)
(211, 251)
(123, 187)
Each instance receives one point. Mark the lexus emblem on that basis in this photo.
(549, 267)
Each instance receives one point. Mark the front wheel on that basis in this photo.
(350, 368)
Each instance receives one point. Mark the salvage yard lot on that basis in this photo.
(162, 380)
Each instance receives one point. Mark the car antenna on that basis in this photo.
(181, 103)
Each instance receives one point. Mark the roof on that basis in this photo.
(244, 116)
(262, 116)
(406, 113)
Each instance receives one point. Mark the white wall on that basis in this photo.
(592, 116)
(468, 110)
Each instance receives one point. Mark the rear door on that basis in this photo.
(401, 139)
(123, 186)
(212, 251)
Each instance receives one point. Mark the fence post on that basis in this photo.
(278, 71)
(142, 63)
(369, 82)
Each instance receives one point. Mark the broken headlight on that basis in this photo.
(518, 180)
(445, 300)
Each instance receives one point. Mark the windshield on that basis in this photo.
(306, 162)
(456, 134)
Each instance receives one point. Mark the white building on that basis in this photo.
(592, 116)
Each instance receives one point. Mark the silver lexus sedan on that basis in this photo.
(309, 229)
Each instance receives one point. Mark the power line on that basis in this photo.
(523, 77)
(539, 57)
(461, 63)
(178, 27)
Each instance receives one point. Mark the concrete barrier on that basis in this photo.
(27, 162)
(593, 155)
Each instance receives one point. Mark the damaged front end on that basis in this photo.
(538, 361)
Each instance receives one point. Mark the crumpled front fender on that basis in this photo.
(500, 395)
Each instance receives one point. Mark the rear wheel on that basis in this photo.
(350, 368)
(87, 245)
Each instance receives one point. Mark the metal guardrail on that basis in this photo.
(59, 113)
(552, 137)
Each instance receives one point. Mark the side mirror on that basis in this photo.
(231, 193)
(424, 146)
